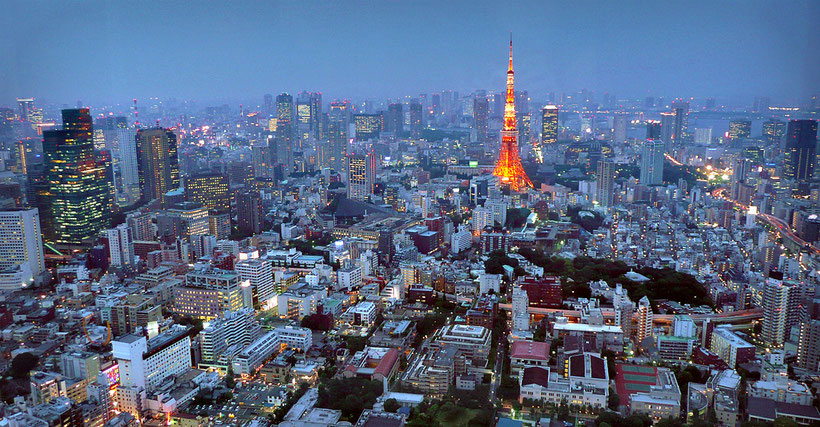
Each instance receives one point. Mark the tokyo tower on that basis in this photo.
(508, 167)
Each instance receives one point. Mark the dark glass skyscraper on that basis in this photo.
(481, 115)
(394, 122)
(415, 119)
(158, 162)
(801, 149)
(77, 188)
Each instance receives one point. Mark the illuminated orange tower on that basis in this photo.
(508, 167)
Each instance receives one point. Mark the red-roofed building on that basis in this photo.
(374, 363)
(526, 353)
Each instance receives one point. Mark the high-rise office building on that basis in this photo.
(21, 245)
(781, 300)
(259, 273)
(77, 190)
(415, 119)
(605, 186)
(211, 190)
(183, 220)
(773, 132)
(549, 125)
(209, 293)
(315, 99)
(303, 121)
(267, 108)
(337, 144)
(668, 129)
(394, 122)
(128, 178)
(121, 246)
(681, 124)
(652, 162)
(619, 126)
(808, 345)
(653, 129)
(481, 112)
(368, 126)
(740, 129)
(801, 149)
(249, 213)
(158, 162)
(703, 136)
(285, 130)
(361, 175)
(25, 109)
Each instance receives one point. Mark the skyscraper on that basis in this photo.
(668, 130)
(211, 190)
(520, 309)
(653, 129)
(619, 126)
(394, 122)
(680, 133)
(808, 345)
(606, 180)
(316, 115)
(285, 129)
(361, 175)
(652, 162)
(25, 108)
(773, 132)
(801, 149)
(128, 187)
(158, 162)
(249, 213)
(77, 190)
(508, 166)
(368, 126)
(303, 121)
(644, 320)
(121, 246)
(21, 243)
(337, 144)
(267, 108)
(781, 300)
(549, 125)
(415, 119)
(740, 129)
(481, 111)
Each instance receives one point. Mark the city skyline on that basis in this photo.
(330, 48)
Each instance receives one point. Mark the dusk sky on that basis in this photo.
(114, 51)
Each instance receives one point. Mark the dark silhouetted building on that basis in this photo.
(801, 149)
(158, 162)
(76, 192)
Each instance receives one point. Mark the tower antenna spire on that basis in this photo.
(511, 67)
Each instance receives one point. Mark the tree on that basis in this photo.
(230, 382)
(391, 405)
(22, 364)
(614, 400)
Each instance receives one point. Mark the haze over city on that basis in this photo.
(105, 52)
(409, 214)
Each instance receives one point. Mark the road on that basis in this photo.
(781, 226)
(497, 369)
(658, 319)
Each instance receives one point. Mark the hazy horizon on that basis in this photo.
(101, 52)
